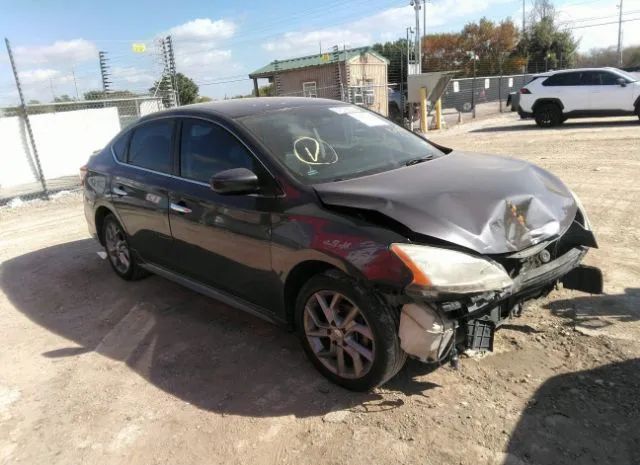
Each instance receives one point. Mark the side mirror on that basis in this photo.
(622, 82)
(234, 182)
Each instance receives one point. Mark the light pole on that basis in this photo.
(620, 35)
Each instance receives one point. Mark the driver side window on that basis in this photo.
(207, 148)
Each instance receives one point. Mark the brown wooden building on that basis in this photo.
(356, 75)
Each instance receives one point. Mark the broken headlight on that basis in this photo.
(583, 212)
(438, 270)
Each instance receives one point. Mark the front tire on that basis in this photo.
(348, 332)
(548, 115)
(119, 254)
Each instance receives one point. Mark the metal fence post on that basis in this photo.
(500, 91)
(25, 115)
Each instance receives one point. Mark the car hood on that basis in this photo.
(486, 203)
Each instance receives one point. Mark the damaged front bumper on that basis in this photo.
(433, 327)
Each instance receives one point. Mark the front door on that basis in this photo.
(222, 240)
(607, 93)
(140, 190)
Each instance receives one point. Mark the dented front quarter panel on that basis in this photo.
(485, 203)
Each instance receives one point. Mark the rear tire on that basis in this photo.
(548, 115)
(120, 256)
(348, 332)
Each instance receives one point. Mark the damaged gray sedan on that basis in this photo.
(369, 241)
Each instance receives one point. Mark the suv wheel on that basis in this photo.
(548, 115)
(119, 254)
(347, 332)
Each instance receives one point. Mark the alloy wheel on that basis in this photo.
(117, 247)
(339, 334)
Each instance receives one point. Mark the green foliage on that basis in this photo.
(396, 53)
(264, 91)
(545, 44)
(187, 89)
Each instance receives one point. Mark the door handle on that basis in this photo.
(119, 191)
(176, 207)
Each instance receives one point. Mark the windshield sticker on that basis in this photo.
(314, 152)
(369, 119)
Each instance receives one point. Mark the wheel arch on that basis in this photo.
(543, 101)
(100, 214)
(297, 277)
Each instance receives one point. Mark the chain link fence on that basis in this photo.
(63, 136)
(56, 119)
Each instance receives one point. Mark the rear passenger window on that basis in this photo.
(151, 146)
(563, 79)
(206, 149)
(120, 147)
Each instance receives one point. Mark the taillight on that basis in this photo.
(83, 174)
(524, 90)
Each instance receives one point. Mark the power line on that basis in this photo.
(606, 24)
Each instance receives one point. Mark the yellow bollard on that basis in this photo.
(439, 114)
(423, 110)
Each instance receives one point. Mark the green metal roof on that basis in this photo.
(313, 60)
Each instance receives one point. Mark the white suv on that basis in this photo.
(553, 97)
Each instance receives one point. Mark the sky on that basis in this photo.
(219, 42)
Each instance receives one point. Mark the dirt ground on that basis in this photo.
(95, 370)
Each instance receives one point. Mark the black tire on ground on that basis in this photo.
(548, 115)
(387, 359)
(130, 271)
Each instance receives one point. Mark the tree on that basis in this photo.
(63, 98)
(396, 53)
(544, 43)
(203, 99)
(493, 45)
(264, 91)
(187, 89)
(443, 52)
(608, 56)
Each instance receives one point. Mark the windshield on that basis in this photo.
(629, 76)
(329, 143)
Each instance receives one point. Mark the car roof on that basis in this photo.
(236, 108)
(574, 70)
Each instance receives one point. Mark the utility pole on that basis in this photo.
(620, 35)
(416, 6)
(424, 27)
(27, 123)
(409, 31)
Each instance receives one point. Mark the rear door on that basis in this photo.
(608, 94)
(139, 189)
(222, 240)
(569, 89)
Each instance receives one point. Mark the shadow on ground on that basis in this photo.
(197, 349)
(530, 125)
(596, 312)
(588, 417)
